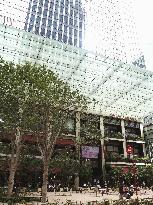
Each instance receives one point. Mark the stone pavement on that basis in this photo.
(62, 197)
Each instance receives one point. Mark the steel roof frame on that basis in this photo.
(118, 89)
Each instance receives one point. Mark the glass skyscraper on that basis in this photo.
(61, 20)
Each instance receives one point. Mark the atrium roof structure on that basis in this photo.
(115, 88)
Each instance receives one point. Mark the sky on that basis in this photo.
(144, 21)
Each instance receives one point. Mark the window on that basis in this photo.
(71, 22)
(75, 14)
(81, 16)
(38, 21)
(45, 13)
(59, 36)
(70, 31)
(80, 44)
(56, 8)
(80, 24)
(50, 14)
(30, 28)
(136, 151)
(66, 11)
(65, 39)
(39, 10)
(55, 24)
(61, 18)
(41, 1)
(75, 22)
(65, 20)
(32, 19)
(55, 17)
(70, 41)
(49, 23)
(36, 30)
(65, 28)
(46, 5)
(66, 3)
(75, 42)
(54, 35)
(42, 33)
(80, 34)
(48, 34)
(60, 28)
(61, 8)
(51, 6)
(75, 33)
(44, 21)
(35, 2)
(71, 13)
(34, 7)
(111, 148)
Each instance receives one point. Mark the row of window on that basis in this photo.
(57, 13)
(56, 2)
(115, 149)
(73, 40)
(59, 25)
(60, 29)
(62, 19)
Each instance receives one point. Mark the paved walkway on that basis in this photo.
(62, 197)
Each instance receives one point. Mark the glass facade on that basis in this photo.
(61, 20)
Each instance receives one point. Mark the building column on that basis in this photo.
(142, 136)
(102, 147)
(77, 134)
(141, 131)
(144, 149)
(123, 134)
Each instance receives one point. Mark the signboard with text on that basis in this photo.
(90, 152)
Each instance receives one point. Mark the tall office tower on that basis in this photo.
(111, 30)
(61, 20)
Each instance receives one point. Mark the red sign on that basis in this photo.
(125, 169)
(129, 149)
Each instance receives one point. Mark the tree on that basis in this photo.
(34, 99)
(15, 110)
(145, 174)
(67, 163)
(53, 102)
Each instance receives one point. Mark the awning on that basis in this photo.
(115, 88)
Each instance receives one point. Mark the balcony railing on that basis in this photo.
(115, 135)
(127, 160)
(134, 137)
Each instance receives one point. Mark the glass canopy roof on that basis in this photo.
(116, 89)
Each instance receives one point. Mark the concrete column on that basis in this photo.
(141, 131)
(102, 147)
(77, 133)
(77, 126)
(142, 136)
(123, 134)
(144, 149)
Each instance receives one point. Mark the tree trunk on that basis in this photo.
(45, 181)
(13, 167)
(76, 182)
